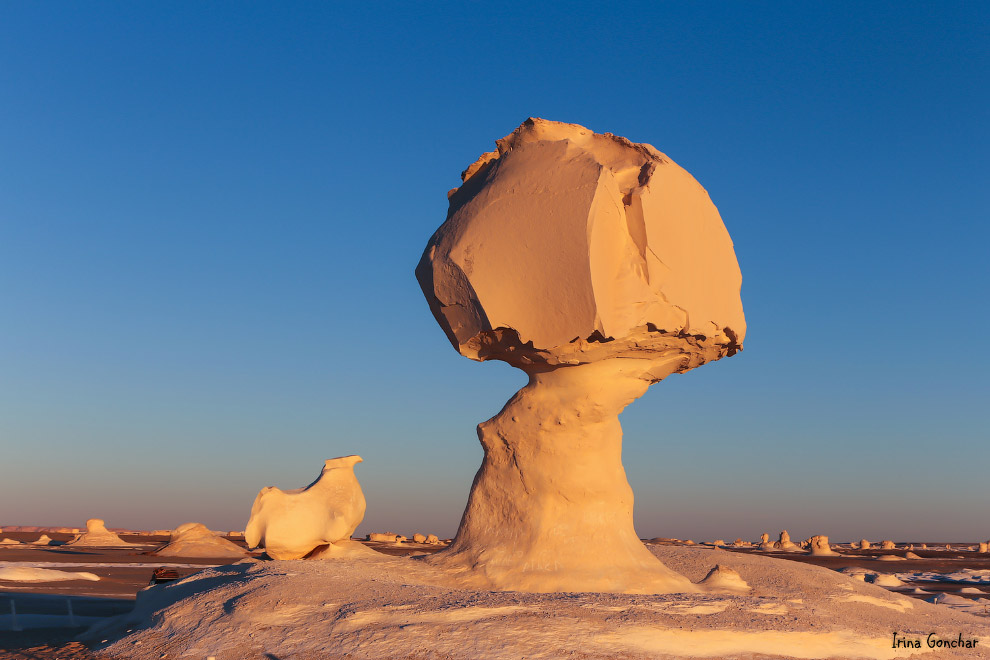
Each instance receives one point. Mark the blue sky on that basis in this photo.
(210, 215)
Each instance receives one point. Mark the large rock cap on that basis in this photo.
(565, 246)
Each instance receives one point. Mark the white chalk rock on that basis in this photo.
(196, 540)
(383, 537)
(97, 535)
(984, 547)
(599, 267)
(419, 538)
(290, 524)
(724, 579)
(887, 580)
(786, 544)
(765, 543)
(911, 555)
(819, 547)
(432, 539)
(44, 539)
(864, 545)
(10, 542)
(887, 545)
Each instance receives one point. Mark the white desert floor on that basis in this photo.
(398, 607)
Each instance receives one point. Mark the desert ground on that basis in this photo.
(954, 577)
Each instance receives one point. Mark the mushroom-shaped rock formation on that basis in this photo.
(819, 547)
(599, 267)
(289, 524)
(887, 545)
(765, 542)
(864, 545)
(196, 540)
(97, 535)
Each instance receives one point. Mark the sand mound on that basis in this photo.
(33, 574)
(44, 539)
(390, 607)
(10, 542)
(97, 535)
(196, 540)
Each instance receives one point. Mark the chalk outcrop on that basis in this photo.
(819, 547)
(765, 543)
(887, 545)
(599, 267)
(97, 535)
(784, 543)
(44, 539)
(196, 540)
(864, 545)
(724, 579)
(290, 524)
(984, 547)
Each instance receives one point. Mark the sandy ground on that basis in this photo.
(125, 571)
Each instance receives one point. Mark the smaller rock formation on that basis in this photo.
(419, 538)
(765, 543)
(383, 537)
(887, 580)
(984, 547)
(290, 524)
(97, 535)
(911, 555)
(818, 546)
(887, 545)
(864, 545)
(724, 579)
(195, 540)
(10, 542)
(44, 539)
(786, 544)
(432, 539)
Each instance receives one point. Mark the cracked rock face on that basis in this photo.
(565, 246)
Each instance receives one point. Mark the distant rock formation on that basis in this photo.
(383, 537)
(196, 540)
(766, 544)
(911, 555)
(291, 524)
(887, 545)
(984, 547)
(10, 542)
(97, 535)
(818, 546)
(42, 540)
(431, 539)
(864, 545)
(419, 538)
(785, 543)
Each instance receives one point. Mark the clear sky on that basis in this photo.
(210, 214)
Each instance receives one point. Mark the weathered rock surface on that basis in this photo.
(598, 267)
(289, 524)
